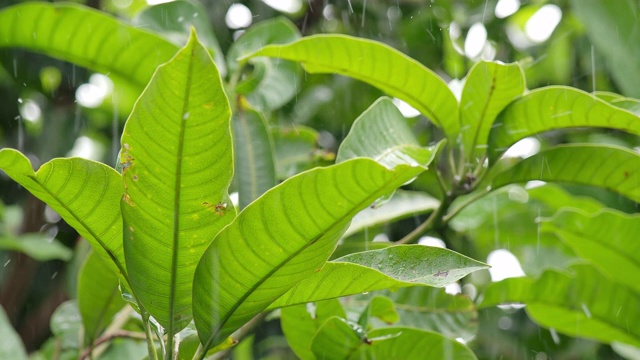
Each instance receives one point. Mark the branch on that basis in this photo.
(109, 337)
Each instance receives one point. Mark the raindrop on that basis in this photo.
(505, 323)
(554, 336)
(54, 275)
(586, 310)
(7, 262)
(185, 116)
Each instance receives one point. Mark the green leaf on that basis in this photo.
(85, 37)
(410, 343)
(392, 267)
(11, 346)
(85, 193)
(556, 107)
(380, 307)
(382, 133)
(177, 167)
(37, 246)
(402, 204)
(274, 82)
(339, 339)
(617, 44)
(66, 325)
(98, 296)
(174, 20)
(299, 326)
(286, 236)
(488, 88)
(610, 167)
(433, 309)
(379, 65)
(607, 239)
(584, 303)
(254, 167)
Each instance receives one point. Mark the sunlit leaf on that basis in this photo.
(556, 107)
(282, 238)
(582, 303)
(610, 167)
(85, 193)
(380, 307)
(85, 37)
(254, 165)
(392, 267)
(488, 88)
(177, 167)
(98, 296)
(607, 239)
(379, 65)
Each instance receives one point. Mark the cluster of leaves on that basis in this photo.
(170, 246)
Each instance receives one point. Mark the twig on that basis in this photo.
(109, 337)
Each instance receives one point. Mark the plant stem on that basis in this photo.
(429, 224)
(95, 349)
(151, 347)
(109, 337)
(456, 211)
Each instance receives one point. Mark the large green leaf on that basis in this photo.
(177, 167)
(382, 133)
(37, 246)
(488, 88)
(282, 238)
(174, 20)
(379, 65)
(273, 82)
(584, 303)
(613, 29)
(610, 167)
(556, 107)
(338, 339)
(85, 193)
(607, 239)
(98, 296)
(11, 346)
(85, 37)
(255, 170)
(393, 267)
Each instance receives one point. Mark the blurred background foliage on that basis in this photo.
(50, 108)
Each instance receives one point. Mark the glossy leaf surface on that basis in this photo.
(85, 37)
(85, 193)
(177, 167)
(610, 167)
(379, 65)
(607, 239)
(556, 107)
(282, 238)
(489, 87)
(392, 267)
(582, 303)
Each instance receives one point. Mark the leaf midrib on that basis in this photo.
(259, 283)
(177, 195)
